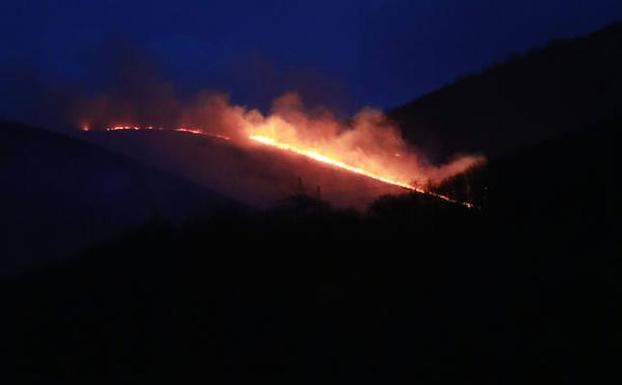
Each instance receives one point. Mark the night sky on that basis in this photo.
(345, 53)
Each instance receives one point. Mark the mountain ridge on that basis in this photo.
(564, 86)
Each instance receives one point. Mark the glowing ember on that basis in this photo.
(193, 131)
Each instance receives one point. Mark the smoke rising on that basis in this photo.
(368, 140)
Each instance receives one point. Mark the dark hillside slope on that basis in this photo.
(573, 176)
(568, 85)
(59, 195)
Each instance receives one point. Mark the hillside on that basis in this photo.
(525, 288)
(567, 85)
(258, 176)
(60, 195)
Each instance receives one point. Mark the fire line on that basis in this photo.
(314, 155)
(324, 159)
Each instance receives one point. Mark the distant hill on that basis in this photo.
(567, 85)
(59, 195)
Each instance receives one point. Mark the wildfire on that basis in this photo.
(368, 144)
(306, 152)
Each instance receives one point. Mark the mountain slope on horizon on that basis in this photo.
(568, 85)
(256, 175)
(60, 195)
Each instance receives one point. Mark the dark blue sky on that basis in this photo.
(341, 52)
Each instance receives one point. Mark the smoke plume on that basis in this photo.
(368, 140)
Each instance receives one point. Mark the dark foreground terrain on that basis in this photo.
(59, 196)
(524, 289)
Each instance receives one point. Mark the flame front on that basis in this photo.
(336, 163)
(333, 162)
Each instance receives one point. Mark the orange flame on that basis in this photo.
(333, 162)
(336, 163)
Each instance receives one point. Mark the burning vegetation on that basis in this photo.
(368, 145)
